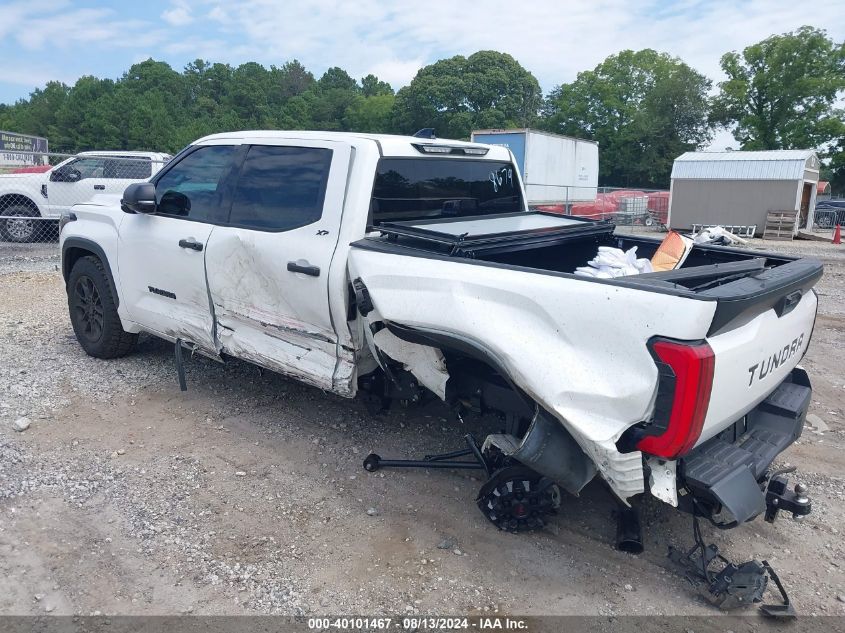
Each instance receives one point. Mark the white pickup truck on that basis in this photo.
(73, 181)
(400, 267)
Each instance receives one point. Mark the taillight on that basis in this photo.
(690, 367)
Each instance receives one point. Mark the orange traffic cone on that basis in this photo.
(837, 236)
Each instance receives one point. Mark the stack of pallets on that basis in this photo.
(780, 225)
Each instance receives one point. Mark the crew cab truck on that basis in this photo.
(400, 267)
(48, 194)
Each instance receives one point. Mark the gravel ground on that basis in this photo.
(246, 495)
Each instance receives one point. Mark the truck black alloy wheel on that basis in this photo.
(93, 311)
(88, 309)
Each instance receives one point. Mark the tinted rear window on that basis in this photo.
(281, 188)
(417, 188)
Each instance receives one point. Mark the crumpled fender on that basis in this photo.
(577, 347)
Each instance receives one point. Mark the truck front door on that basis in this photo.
(161, 256)
(268, 267)
(75, 182)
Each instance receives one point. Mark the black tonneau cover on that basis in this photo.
(495, 233)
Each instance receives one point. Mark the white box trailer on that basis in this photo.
(555, 169)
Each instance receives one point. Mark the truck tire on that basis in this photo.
(20, 230)
(93, 312)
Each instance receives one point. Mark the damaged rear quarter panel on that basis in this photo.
(578, 348)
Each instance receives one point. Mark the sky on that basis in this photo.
(42, 40)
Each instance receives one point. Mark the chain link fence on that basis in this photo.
(34, 196)
(828, 214)
(634, 208)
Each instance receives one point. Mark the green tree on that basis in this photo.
(38, 114)
(290, 80)
(781, 92)
(247, 95)
(151, 102)
(371, 86)
(88, 118)
(644, 108)
(336, 78)
(458, 94)
(370, 114)
(833, 165)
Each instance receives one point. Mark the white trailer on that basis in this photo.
(555, 169)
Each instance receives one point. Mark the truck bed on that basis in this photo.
(742, 282)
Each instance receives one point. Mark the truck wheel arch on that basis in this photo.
(547, 446)
(74, 248)
(451, 341)
(10, 199)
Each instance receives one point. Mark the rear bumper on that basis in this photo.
(726, 476)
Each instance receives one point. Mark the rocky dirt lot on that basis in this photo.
(246, 494)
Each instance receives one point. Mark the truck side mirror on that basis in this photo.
(66, 174)
(139, 197)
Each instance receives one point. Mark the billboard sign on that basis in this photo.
(18, 150)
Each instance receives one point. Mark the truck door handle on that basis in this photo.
(190, 243)
(305, 268)
(100, 187)
(786, 304)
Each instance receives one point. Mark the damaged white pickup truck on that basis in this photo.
(399, 267)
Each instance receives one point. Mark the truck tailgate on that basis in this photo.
(754, 353)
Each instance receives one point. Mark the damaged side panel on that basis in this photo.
(269, 289)
(287, 351)
(557, 338)
(425, 363)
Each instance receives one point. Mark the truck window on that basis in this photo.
(280, 188)
(192, 188)
(418, 188)
(88, 167)
(128, 168)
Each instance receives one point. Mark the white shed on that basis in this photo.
(740, 188)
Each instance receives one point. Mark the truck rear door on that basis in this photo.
(268, 266)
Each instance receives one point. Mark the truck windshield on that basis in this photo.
(422, 188)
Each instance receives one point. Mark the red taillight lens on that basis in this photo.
(693, 368)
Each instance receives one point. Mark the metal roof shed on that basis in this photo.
(740, 188)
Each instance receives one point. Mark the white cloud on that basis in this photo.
(48, 26)
(179, 14)
(722, 140)
(395, 72)
(31, 75)
(554, 40)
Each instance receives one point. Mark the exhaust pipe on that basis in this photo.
(629, 537)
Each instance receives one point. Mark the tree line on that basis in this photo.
(643, 107)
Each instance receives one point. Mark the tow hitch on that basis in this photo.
(779, 497)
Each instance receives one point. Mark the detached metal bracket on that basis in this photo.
(374, 462)
(180, 366)
(733, 585)
(785, 610)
